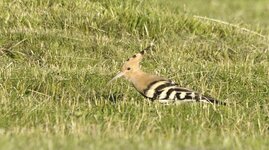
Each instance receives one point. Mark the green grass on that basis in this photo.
(57, 56)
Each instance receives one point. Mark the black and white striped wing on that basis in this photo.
(166, 90)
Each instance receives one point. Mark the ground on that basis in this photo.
(57, 57)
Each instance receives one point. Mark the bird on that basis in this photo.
(158, 88)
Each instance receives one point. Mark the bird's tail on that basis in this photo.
(211, 100)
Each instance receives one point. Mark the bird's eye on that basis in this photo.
(128, 68)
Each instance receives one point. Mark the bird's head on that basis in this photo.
(131, 65)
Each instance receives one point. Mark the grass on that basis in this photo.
(57, 56)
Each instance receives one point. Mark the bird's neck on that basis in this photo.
(141, 80)
(137, 76)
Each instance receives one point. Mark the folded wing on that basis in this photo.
(167, 90)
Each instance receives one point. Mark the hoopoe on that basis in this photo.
(158, 88)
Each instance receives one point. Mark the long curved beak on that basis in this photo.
(116, 77)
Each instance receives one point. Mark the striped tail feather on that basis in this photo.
(196, 97)
(213, 101)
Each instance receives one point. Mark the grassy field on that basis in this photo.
(56, 57)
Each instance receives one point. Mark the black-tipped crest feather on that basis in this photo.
(146, 49)
(141, 52)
